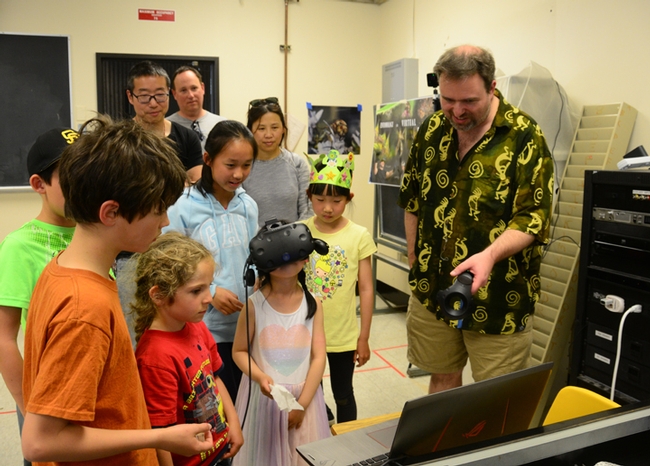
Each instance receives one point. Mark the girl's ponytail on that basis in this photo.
(311, 301)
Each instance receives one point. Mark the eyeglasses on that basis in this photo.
(197, 129)
(145, 98)
(267, 101)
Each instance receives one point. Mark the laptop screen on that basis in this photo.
(471, 413)
(461, 416)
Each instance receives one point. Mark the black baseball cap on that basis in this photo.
(48, 149)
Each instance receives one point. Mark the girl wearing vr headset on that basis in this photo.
(287, 348)
(333, 277)
(217, 212)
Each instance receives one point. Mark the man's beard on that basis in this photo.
(472, 123)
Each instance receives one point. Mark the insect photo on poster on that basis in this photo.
(337, 128)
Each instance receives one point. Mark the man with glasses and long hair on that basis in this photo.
(188, 90)
(147, 89)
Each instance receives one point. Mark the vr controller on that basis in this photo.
(456, 302)
(277, 244)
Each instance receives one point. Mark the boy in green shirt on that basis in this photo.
(26, 251)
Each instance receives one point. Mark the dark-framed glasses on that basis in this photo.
(146, 98)
(268, 100)
(197, 129)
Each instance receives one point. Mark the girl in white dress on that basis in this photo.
(287, 343)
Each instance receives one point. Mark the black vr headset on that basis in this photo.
(456, 302)
(277, 244)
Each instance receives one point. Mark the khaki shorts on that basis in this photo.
(435, 347)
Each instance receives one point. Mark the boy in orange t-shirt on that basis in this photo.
(83, 397)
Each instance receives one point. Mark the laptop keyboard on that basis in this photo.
(377, 460)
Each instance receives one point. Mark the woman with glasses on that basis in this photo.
(279, 179)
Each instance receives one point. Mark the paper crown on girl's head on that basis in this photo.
(335, 169)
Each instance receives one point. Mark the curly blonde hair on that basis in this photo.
(169, 263)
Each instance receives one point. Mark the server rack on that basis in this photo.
(614, 260)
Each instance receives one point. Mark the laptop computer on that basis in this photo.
(457, 417)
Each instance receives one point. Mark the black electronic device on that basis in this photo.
(456, 302)
(614, 253)
(277, 244)
(636, 158)
(432, 80)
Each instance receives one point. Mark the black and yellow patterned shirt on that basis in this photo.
(504, 182)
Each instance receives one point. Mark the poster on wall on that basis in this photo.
(336, 128)
(396, 125)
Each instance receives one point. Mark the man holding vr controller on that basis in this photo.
(477, 191)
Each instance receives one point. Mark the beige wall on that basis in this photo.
(594, 49)
(333, 61)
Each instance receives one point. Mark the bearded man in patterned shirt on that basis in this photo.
(477, 193)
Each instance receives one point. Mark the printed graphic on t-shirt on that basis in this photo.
(203, 403)
(224, 237)
(326, 273)
(285, 349)
(51, 241)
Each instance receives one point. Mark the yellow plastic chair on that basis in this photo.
(572, 402)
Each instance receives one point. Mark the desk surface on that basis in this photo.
(344, 427)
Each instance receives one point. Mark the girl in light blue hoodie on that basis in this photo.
(217, 212)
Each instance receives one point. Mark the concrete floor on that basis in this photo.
(381, 386)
